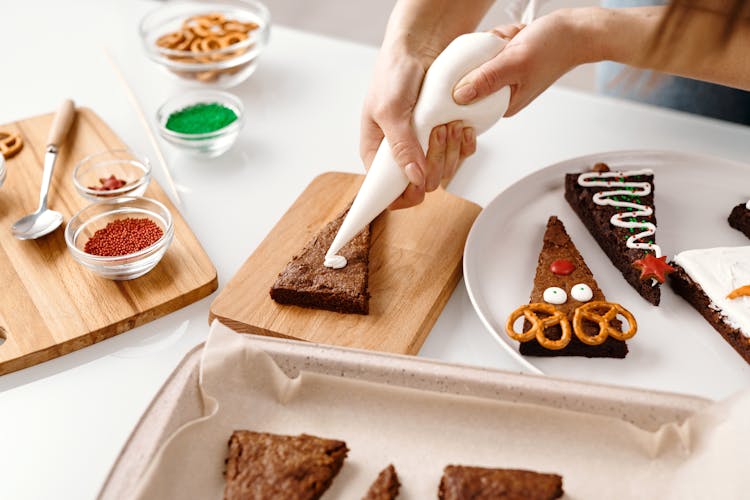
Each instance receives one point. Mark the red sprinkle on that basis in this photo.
(562, 267)
(123, 236)
(109, 183)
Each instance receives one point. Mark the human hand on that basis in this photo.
(388, 112)
(534, 58)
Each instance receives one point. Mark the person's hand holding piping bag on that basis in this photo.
(701, 39)
(418, 30)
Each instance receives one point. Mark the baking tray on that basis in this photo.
(179, 400)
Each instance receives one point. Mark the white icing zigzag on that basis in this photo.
(607, 198)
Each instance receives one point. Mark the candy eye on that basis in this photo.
(555, 295)
(581, 292)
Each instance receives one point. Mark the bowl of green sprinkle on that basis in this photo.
(204, 123)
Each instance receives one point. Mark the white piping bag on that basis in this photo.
(385, 181)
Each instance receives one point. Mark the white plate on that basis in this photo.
(675, 348)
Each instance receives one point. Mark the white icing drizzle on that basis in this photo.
(637, 210)
(335, 261)
(747, 205)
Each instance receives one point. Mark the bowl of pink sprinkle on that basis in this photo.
(120, 238)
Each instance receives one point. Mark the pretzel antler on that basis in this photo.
(539, 325)
(10, 143)
(592, 311)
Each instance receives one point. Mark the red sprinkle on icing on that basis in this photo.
(562, 267)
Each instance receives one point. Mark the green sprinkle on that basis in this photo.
(200, 118)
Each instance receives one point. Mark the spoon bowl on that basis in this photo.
(44, 220)
(37, 224)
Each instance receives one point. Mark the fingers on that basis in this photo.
(453, 151)
(480, 82)
(449, 144)
(507, 31)
(469, 144)
(412, 195)
(406, 150)
(436, 155)
(370, 137)
(490, 76)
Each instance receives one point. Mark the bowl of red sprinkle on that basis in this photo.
(111, 174)
(204, 123)
(120, 238)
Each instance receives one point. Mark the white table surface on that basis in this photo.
(62, 423)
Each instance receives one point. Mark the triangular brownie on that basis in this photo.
(564, 285)
(479, 483)
(307, 282)
(385, 486)
(262, 466)
(739, 218)
(599, 195)
(716, 282)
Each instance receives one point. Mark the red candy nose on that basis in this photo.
(562, 267)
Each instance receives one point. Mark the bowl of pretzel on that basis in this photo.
(207, 44)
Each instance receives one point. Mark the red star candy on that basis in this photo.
(653, 267)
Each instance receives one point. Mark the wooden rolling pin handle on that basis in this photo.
(61, 123)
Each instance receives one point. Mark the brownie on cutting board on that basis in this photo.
(306, 282)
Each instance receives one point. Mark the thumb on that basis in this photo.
(482, 81)
(407, 151)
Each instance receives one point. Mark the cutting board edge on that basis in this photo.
(90, 338)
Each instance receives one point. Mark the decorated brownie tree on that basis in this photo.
(618, 210)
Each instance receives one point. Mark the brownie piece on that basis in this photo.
(478, 483)
(612, 238)
(307, 282)
(271, 466)
(694, 294)
(740, 219)
(557, 246)
(385, 487)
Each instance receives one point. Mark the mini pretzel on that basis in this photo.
(233, 37)
(212, 43)
(539, 325)
(10, 144)
(240, 26)
(170, 40)
(591, 312)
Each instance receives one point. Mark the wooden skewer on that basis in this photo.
(144, 122)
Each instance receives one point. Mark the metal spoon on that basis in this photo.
(44, 220)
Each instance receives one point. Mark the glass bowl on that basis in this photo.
(209, 144)
(96, 216)
(93, 173)
(223, 66)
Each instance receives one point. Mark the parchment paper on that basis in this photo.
(420, 432)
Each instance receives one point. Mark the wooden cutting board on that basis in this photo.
(52, 305)
(415, 263)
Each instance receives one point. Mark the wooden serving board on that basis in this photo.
(415, 263)
(51, 304)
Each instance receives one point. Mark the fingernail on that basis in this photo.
(469, 135)
(414, 174)
(456, 130)
(465, 93)
(441, 134)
